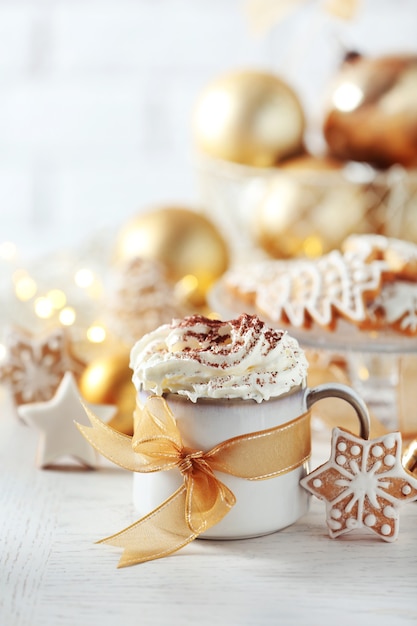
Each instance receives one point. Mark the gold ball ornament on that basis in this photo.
(371, 114)
(108, 380)
(187, 243)
(249, 117)
(309, 208)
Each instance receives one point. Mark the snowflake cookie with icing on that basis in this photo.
(35, 366)
(363, 484)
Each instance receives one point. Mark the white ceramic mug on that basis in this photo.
(264, 506)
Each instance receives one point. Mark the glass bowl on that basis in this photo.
(305, 207)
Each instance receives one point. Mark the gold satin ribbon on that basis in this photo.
(203, 500)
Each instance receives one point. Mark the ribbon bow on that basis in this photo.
(202, 500)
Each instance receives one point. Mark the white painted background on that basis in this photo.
(96, 97)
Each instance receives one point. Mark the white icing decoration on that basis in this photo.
(351, 523)
(389, 511)
(386, 529)
(341, 446)
(336, 513)
(334, 524)
(389, 442)
(317, 483)
(399, 302)
(340, 459)
(355, 450)
(406, 490)
(370, 520)
(389, 460)
(377, 451)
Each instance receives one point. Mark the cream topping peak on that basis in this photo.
(200, 357)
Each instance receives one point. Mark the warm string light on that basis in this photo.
(96, 333)
(24, 285)
(8, 251)
(84, 278)
(43, 307)
(46, 306)
(55, 302)
(363, 373)
(67, 316)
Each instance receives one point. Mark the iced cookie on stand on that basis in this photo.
(371, 284)
(303, 292)
(400, 255)
(395, 306)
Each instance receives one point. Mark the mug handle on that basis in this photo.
(337, 390)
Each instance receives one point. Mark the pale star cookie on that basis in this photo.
(55, 419)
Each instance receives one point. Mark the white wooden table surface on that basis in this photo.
(52, 572)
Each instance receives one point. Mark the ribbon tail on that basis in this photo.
(208, 500)
(160, 533)
(112, 444)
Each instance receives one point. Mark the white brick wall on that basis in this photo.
(96, 98)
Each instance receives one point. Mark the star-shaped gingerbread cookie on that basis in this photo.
(55, 419)
(35, 366)
(363, 484)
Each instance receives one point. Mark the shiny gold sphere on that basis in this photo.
(309, 208)
(249, 117)
(187, 243)
(108, 380)
(371, 115)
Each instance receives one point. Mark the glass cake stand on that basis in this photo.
(381, 365)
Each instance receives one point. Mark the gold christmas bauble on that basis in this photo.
(309, 208)
(249, 117)
(187, 243)
(108, 380)
(371, 115)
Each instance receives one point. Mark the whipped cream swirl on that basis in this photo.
(203, 358)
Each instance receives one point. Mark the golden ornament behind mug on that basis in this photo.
(108, 380)
(249, 117)
(187, 243)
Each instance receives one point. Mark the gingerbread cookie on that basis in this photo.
(35, 366)
(363, 484)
